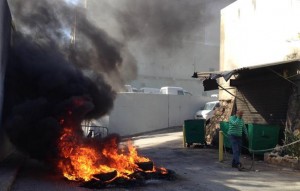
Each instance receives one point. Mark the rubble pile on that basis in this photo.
(222, 113)
(285, 161)
(279, 157)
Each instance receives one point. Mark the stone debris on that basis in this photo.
(285, 161)
(222, 113)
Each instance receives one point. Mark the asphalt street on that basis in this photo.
(197, 169)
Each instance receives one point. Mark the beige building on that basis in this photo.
(256, 32)
(260, 51)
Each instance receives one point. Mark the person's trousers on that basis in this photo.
(236, 144)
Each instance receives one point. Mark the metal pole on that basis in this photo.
(221, 143)
(184, 136)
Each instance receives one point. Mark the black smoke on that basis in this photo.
(85, 45)
(166, 22)
(168, 36)
(45, 85)
(42, 88)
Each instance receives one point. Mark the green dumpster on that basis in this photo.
(193, 132)
(262, 137)
(224, 126)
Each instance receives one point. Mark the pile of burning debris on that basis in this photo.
(96, 163)
(146, 171)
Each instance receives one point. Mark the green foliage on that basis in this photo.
(292, 150)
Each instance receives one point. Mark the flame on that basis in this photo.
(163, 170)
(80, 161)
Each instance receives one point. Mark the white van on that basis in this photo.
(150, 90)
(173, 90)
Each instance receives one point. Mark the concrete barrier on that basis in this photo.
(136, 113)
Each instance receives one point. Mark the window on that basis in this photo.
(180, 92)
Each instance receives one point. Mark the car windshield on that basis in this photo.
(180, 92)
(209, 106)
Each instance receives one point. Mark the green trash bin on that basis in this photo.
(262, 137)
(193, 132)
(224, 126)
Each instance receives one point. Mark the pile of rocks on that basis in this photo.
(285, 161)
(278, 157)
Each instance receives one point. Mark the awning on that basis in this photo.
(227, 74)
(210, 78)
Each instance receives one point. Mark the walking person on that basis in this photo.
(235, 132)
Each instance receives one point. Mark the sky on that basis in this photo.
(72, 1)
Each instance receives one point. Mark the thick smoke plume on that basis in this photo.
(44, 83)
(167, 22)
(86, 46)
(167, 36)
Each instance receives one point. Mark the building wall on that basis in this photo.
(259, 32)
(253, 33)
(264, 100)
(5, 31)
(137, 113)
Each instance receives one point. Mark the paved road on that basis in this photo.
(197, 169)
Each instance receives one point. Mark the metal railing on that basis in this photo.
(95, 131)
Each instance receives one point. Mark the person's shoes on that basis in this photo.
(234, 165)
(240, 167)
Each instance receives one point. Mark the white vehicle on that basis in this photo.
(174, 91)
(135, 90)
(208, 110)
(150, 90)
(128, 88)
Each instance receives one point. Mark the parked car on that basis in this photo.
(128, 89)
(208, 111)
(135, 90)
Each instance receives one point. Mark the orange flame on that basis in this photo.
(80, 160)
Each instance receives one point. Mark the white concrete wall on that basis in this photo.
(255, 32)
(137, 113)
